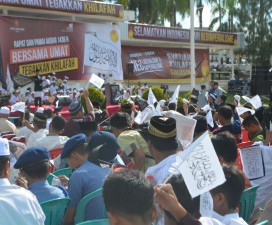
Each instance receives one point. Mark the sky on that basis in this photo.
(206, 18)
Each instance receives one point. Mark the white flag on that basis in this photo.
(199, 166)
(143, 116)
(151, 99)
(158, 111)
(96, 81)
(206, 108)
(240, 110)
(247, 99)
(10, 84)
(175, 96)
(209, 118)
(19, 106)
(256, 102)
(185, 127)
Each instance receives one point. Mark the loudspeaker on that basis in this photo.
(130, 67)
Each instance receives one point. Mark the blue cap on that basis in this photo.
(72, 143)
(102, 138)
(32, 156)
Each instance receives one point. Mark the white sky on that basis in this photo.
(206, 18)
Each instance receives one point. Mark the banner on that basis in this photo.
(165, 63)
(56, 46)
(159, 33)
(70, 6)
(102, 52)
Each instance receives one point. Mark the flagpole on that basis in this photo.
(192, 44)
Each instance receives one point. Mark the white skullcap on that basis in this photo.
(40, 110)
(5, 110)
(4, 147)
(237, 98)
(162, 102)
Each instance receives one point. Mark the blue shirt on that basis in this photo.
(84, 180)
(44, 191)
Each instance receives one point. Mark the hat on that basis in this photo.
(39, 117)
(17, 91)
(223, 97)
(101, 138)
(213, 96)
(102, 152)
(74, 108)
(72, 143)
(74, 91)
(126, 106)
(162, 102)
(48, 76)
(4, 147)
(32, 156)
(162, 127)
(5, 110)
(40, 110)
(27, 91)
(237, 98)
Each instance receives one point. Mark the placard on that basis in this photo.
(252, 160)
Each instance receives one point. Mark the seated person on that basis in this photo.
(253, 128)
(24, 131)
(201, 126)
(184, 198)
(109, 151)
(34, 167)
(225, 114)
(128, 198)
(131, 142)
(15, 97)
(86, 178)
(226, 198)
(226, 149)
(53, 139)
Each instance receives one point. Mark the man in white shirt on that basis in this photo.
(53, 88)
(18, 205)
(53, 140)
(39, 128)
(163, 146)
(24, 131)
(15, 97)
(5, 124)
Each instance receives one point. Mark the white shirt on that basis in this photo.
(48, 121)
(19, 206)
(14, 99)
(24, 131)
(264, 192)
(51, 142)
(229, 219)
(160, 171)
(53, 89)
(35, 136)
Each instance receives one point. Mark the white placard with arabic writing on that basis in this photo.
(252, 160)
(201, 168)
(102, 53)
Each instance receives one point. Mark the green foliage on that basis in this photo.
(187, 95)
(95, 95)
(157, 91)
(180, 102)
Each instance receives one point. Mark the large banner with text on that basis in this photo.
(165, 64)
(69, 49)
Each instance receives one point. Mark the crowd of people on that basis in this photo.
(131, 162)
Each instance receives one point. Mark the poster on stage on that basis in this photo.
(69, 49)
(163, 64)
